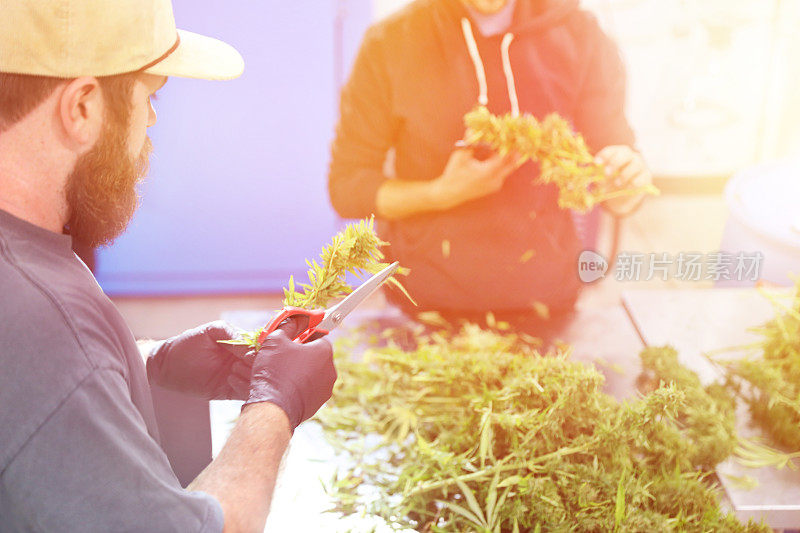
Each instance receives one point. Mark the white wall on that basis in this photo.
(710, 82)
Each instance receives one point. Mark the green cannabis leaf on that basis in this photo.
(708, 417)
(476, 430)
(354, 250)
(769, 380)
(707, 420)
(563, 156)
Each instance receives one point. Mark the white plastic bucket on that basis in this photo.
(764, 216)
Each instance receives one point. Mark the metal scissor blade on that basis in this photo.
(335, 315)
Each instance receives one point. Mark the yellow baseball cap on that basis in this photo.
(71, 38)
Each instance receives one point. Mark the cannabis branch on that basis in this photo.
(563, 156)
(355, 250)
(479, 431)
(769, 379)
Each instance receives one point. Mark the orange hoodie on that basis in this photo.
(411, 84)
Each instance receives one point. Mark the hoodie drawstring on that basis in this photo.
(512, 87)
(480, 73)
(472, 47)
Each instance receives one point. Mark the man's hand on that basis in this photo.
(195, 363)
(627, 169)
(296, 377)
(290, 381)
(466, 178)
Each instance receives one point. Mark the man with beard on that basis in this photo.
(78, 438)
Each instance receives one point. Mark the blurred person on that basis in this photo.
(476, 232)
(79, 444)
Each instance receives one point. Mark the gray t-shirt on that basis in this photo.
(78, 438)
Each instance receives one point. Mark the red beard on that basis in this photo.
(101, 190)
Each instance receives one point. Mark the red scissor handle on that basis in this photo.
(314, 318)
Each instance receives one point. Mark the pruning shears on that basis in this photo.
(323, 321)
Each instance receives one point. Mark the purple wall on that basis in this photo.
(236, 198)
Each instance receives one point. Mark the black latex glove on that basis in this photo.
(298, 378)
(195, 363)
